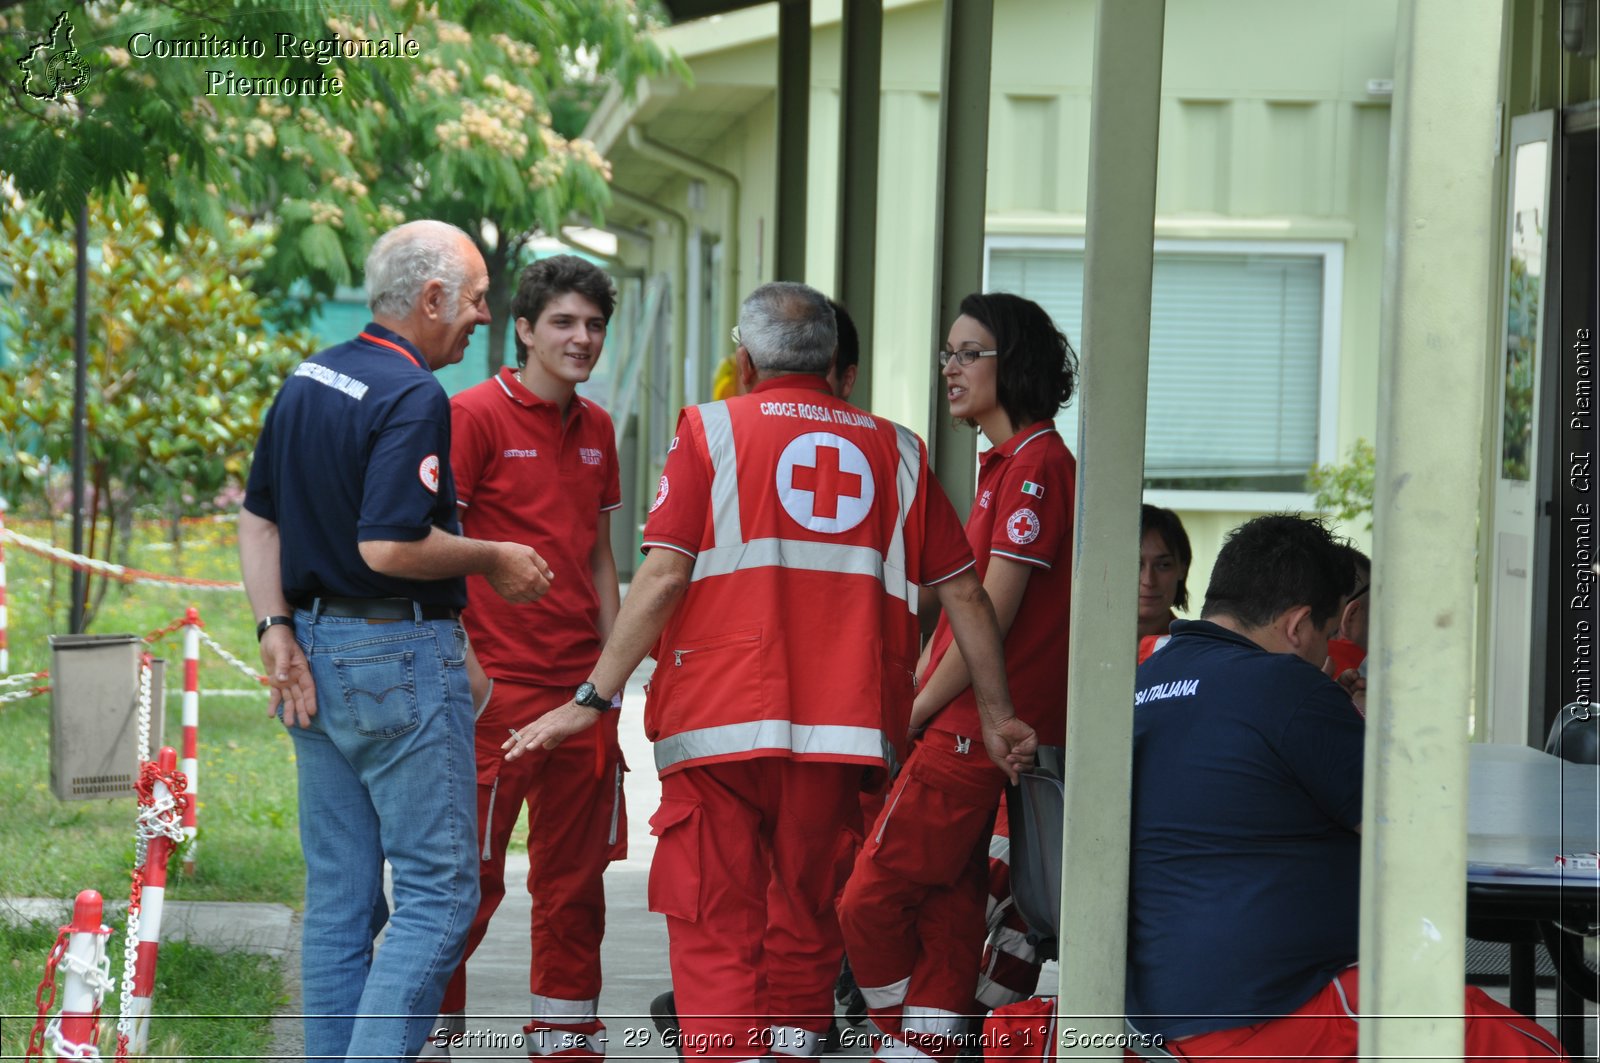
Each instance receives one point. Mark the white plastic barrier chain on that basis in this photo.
(215, 647)
(121, 573)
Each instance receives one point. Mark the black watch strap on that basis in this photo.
(590, 698)
(271, 621)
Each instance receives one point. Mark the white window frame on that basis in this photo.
(1332, 254)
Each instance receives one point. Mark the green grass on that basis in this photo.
(206, 1005)
(248, 847)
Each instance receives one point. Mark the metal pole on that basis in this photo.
(1124, 123)
(794, 120)
(1431, 395)
(963, 181)
(80, 415)
(856, 257)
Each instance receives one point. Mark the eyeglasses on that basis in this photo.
(963, 357)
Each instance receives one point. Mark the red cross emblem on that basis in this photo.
(1023, 526)
(827, 482)
(824, 482)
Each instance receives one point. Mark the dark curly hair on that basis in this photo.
(1272, 564)
(548, 278)
(1037, 372)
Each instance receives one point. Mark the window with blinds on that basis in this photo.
(1235, 360)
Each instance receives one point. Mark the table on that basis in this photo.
(1525, 807)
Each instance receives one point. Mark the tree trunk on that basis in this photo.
(502, 285)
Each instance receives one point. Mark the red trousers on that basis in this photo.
(913, 910)
(745, 873)
(576, 826)
(1324, 1028)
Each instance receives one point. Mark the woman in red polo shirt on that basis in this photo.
(913, 910)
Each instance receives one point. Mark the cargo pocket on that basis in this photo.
(675, 871)
(380, 693)
(926, 833)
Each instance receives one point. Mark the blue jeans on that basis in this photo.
(386, 772)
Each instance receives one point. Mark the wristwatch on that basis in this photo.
(271, 621)
(590, 698)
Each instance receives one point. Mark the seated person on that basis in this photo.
(1164, 556)
(1348, 648)
(1245, 851)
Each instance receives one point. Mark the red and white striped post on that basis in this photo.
(79, 1017)
(5, 653)
(191, 731)
(151, 897)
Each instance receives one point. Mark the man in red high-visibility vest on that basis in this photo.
(787, 545)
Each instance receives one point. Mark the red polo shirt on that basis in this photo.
(1024, 512)
(524, 476)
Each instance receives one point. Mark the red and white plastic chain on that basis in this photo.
(48, 1029)
(215, 647)
(19, 679)
(155, 820)
(121, 573)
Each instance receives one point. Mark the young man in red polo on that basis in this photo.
(534, 462)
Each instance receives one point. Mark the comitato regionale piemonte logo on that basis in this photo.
(53, 68)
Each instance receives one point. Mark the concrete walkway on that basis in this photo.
(634, 953)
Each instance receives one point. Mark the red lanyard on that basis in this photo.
(380, 341)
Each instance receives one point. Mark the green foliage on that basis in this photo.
(1522, 346)
(221, 997)
(460, 130)
(249, 846)
(181, 366)
(1345, 490)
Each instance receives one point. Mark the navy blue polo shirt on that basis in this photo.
(1245, 862)
(356, 448)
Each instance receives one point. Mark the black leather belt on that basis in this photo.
(381, 609)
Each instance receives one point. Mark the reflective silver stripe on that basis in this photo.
(831, 739)
(1000, 848)
(905, 485)
(547, 1042)
(1013, 942)
(793, 1041)
(936, 1021)
(730, 553)
(726, 528)
(886, 996)
(563, 1012)
(894, 1050)
(805, 557)
(992, 994)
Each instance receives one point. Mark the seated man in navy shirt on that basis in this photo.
(1246, 856)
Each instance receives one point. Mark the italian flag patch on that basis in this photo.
(1031, 488)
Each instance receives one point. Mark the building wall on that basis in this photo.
(1270, 132)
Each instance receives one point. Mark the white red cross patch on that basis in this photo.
(1023, 526)
(428, 473)
(825, 482)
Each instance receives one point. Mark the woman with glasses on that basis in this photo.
(913, 911)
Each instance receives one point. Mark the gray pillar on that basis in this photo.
(1125, 113)
(1433, 359)
(794, 119)
(860, 68)
(960, 199)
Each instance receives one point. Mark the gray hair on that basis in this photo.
(406, 258)
(788, 328)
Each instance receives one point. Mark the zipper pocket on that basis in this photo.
(616, 807)
(679, 655)
(488, 818)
